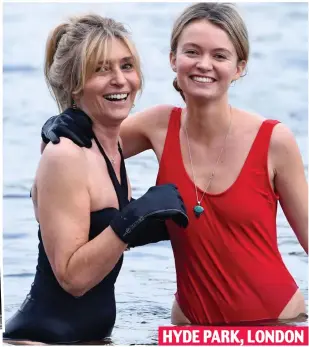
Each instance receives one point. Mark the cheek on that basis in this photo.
(135, 82)
(90, 94)
(89, 90)
(184, 63)
(229, 70)
(96, 85)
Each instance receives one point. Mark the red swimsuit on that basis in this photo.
(228, 265)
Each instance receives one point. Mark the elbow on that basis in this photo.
(72, 286)
(73, 289)
(70, 280)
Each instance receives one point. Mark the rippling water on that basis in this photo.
(275, 86)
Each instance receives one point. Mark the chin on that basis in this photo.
(202, 97)
(119, 115)
(207, 95)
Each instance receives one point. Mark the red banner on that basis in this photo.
(231, 336)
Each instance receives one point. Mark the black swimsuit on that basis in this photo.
(50, 314)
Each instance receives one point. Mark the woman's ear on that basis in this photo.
(241, 67)
(76, 96)
(173, 61)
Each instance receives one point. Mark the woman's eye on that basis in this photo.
(127, 66)
(220, 56)
(190, 51)
(101, 69)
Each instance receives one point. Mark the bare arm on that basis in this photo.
(64, 216)
(290, 181)
(138, 131)
(43, 145)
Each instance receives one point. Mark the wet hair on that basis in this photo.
(224, 16)
(74, 50)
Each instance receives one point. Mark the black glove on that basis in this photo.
(154, 230)
(160, 202)
(73, 124)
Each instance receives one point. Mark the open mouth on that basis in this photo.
(116, 97)
(202, 79)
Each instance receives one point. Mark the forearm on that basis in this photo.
(303, 237)
(296, 212)
(300, 228)
(92, 262)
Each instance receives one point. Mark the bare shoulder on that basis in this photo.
(140, 131)
(248, 118)
(63, 159)
(246, 124)
(64, 150)
(160, 111)
(156, 116)
(282, 137)
(283, 148)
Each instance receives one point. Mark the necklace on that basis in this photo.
(103, 151)
(112, 160)
(198, 209)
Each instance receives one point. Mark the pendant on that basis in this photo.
(198, 210)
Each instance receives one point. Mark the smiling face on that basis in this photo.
(109, 93)
(206, 61)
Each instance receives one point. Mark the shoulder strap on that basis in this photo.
(259, 150)
(123, 177)
(121, 190)
(171, 145)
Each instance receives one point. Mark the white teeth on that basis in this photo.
(202, 79)
(116, 96)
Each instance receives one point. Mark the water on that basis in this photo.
(275, 86)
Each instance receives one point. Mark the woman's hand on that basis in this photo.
(161, 203)
(72, 124)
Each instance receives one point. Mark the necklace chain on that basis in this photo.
(111, 159)
(217, 162)
(102, 148)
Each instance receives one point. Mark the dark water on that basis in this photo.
(276, 86)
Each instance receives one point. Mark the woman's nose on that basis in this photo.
(205, 63)
(118, 77)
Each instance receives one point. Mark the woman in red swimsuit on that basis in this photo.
(232, 168)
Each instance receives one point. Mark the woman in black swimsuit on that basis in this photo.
(82, 197)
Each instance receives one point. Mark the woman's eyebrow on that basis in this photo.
(223, 50)
(191, 44)
(105, 62)
(122, 60)
(127, 59)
